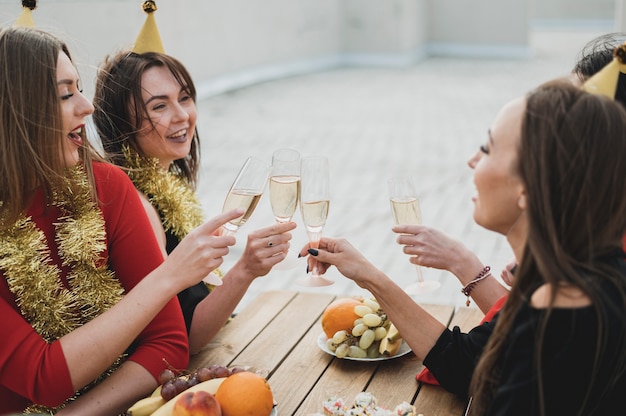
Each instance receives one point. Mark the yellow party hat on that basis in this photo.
(604, 82)
(149, 39)
(26, 17)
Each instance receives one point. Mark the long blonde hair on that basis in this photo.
(31, 134)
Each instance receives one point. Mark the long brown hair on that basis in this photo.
(120, 111)
(31, 134)
(571, 163)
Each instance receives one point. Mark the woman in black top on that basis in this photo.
(551, 179)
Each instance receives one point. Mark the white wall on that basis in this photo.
(232, 43)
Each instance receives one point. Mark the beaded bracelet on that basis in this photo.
(468, 287)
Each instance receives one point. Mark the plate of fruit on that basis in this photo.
(358, 329)
(210, 391)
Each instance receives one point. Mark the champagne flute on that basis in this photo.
(284, 194)
(245, 192)
(406, 210)
(314, 203)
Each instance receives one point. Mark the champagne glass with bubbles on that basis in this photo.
(314, 204)
(246, 192)
(406, 211)
(284, 193)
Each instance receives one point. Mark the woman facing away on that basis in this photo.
(89, 315)
(145, 113)
(549, 178)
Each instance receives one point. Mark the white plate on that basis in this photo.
(404, 350)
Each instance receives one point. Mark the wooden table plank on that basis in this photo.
(342, 378)
(241, 330)
(271, 347)
(297, 375)
(435, 400)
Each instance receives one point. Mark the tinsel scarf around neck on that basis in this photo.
(53, 309)
(171, 195)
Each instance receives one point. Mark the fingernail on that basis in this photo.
(307, 269)
(313, 252)
(299, 255)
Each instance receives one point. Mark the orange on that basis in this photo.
(339, 315)
(245, 394)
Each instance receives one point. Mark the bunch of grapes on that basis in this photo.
(364, 339)
(172, 384)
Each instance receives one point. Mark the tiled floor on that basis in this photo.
(424, 121)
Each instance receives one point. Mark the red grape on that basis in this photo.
(205, 374)
(168, 391)
(221, 371)
(181, 385)
(166, 375)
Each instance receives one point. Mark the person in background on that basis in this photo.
(145, 114)
(558, 346)
(89, 315)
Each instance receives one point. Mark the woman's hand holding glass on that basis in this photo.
(406, 211)
(201, 251)
(314, 204)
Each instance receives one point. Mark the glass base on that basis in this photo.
(420, 288)
(213, 279)
(290, 262)
(315, 281)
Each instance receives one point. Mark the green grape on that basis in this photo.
(379, 333)
(331, 345)
(356, 352)
(342, 350)
(340, 336)
(358, 330)
(372, 350)
(372, 320)
(366, 339)
(362, 310)
(372, 304)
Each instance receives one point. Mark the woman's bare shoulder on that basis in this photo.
(566, 296)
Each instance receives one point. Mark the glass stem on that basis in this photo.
(314, 240)
(420, 277)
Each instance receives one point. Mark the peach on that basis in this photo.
(197, 403)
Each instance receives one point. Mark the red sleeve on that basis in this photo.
(131, 238)
(31, 370)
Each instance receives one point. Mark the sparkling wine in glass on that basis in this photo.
(285, 193)
(406, 210)
(246, 192)
(314, 204)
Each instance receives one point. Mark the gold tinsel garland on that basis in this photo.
(51, 309)
(170, 194)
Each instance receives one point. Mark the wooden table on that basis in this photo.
(276, 334)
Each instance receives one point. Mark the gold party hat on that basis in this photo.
(604, 82)
(149, 39)
(26, 17)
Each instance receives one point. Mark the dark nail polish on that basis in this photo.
(307, 269)
(313, 252)
(299, 255)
